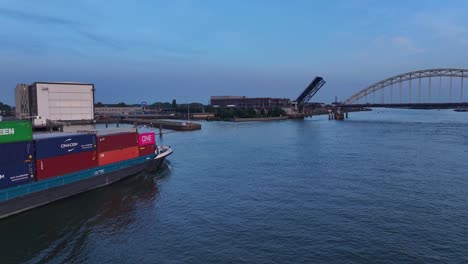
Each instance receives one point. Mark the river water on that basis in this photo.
(387, 186)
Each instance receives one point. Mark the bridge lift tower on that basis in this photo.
(307, 94)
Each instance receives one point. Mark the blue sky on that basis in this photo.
(189, 50)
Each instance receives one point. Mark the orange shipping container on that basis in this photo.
(147, 150)
(113, 156)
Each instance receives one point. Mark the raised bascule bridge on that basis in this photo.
(298, 105)
(424, 89)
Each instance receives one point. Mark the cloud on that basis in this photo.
(450, 24)
(71, 25)
(35, 18)
(139, 44)
(405, 44)
(392, 45)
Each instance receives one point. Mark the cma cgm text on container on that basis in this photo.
(58, 154)
(56, 144)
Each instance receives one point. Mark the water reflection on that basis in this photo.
(61, 231)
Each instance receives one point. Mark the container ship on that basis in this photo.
(37, 169)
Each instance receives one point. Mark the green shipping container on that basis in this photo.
(15, 131)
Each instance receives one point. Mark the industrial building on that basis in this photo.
(246, 102)
(45, 102)
(118, 111)
(296, 108)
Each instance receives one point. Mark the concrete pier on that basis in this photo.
(173, 125)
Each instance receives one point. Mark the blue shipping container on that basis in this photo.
(16, 153)
(47, 147)
(16, 174)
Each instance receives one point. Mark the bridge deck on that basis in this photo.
(412, 105)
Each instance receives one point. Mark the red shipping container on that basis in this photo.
(113, 156)
(57, 166)
(116, 141)
(145, 139)
(147, 150)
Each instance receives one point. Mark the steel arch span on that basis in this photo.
(399, 79)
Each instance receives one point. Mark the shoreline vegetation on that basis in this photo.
(229, 114)
(5, 110)
(180, 111)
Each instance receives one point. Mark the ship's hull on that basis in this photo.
(22, 198)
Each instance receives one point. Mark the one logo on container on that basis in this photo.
(7, 131)
(2, 176)
(147, 139)
(70, 146)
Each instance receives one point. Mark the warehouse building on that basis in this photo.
(246, 102)
(45, 102)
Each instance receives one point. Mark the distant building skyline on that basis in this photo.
(190, 50)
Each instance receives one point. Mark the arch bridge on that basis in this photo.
(436, 88)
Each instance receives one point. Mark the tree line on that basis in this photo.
(5, 109)
(166, 106)
(220, 113)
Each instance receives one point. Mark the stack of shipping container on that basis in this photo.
(146, 144)
(25, 157)
(117, 147)
(58, 154)
(16, 153)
